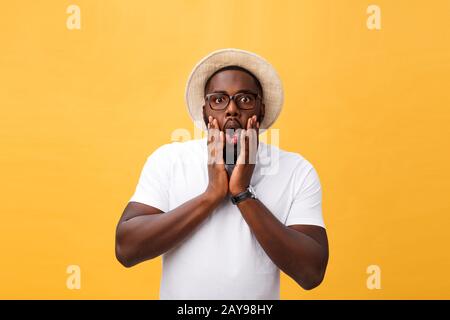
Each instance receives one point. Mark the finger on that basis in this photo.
(252, 146)
(211, 151)
(257, 134)
(209, 127)
(217, 138)
(247, 145)
(210, 135)
(210, 148)
(241, 157)
(214, 140)
(253, 126)
(215, 130)
(219, 150)
(209, 122)
(221, 139)
(249, 123)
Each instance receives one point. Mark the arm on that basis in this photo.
(301, 251)
(145, 232)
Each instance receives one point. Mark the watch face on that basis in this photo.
(248, 193)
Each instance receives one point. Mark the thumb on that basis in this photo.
(219, 149)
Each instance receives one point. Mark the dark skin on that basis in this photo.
(143, 233)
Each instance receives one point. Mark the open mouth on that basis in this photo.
(232, 129)
(232, 138)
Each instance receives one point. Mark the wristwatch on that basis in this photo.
(249, 193)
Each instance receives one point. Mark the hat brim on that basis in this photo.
(258, 66)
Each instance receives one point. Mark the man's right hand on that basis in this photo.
(218, 177)
(145, 232)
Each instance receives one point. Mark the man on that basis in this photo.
(227, 212)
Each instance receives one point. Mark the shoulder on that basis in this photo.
(174, 150)
(301, 172)
(291, 161)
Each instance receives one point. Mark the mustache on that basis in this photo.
(225, 126)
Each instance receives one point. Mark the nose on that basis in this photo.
(232, 109)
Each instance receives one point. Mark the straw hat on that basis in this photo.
(258, 66)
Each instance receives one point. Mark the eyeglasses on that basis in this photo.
(244, 100)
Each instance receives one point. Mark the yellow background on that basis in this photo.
(82, 109)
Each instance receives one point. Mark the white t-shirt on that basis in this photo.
(221, 258)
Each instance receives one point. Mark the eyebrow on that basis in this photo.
(239, 91)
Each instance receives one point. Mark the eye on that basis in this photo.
(218, 99)
(245, 99)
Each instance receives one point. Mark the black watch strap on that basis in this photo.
(243, 195)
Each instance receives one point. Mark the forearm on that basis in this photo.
(148, 236)
(295, 253)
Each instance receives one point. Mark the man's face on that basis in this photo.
(232, 82)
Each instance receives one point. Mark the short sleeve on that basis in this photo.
(306, 207)
(153, 186)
